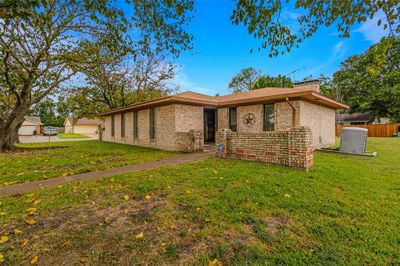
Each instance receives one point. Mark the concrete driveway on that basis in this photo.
(41, 139)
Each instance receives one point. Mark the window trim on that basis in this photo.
(152, 123)
(122, 125)
(233, 128)
(112, 125)
(265, 126)
(135, 124)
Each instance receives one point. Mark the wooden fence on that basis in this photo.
(384, 130)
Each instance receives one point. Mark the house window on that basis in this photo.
(269, 117)
(112, 125)
(122, 125)
(135, 124)
(152, 124)
(233, 119)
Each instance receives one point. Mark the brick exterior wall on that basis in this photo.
(242, 113)
(321, 121)
(188, 117)
(284, 114)
(173, 128)
(292, 148)
(223, 118)
(173, 123)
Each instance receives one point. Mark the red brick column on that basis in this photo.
(300, 150)
(222, 145)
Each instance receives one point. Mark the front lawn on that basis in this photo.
(46, 160)
(71, 136)
(345, 212)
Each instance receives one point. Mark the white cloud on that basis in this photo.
(338, 52)
(185, 84)
(370, 29)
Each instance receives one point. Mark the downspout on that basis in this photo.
(293, 112)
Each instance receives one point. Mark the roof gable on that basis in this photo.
(32, 120)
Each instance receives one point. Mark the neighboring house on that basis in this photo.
(82, 126)
(160, 123)
(360, 119)
(31, 126)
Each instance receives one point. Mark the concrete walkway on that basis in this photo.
(51, 182)
(44, 139)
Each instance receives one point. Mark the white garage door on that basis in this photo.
(26, 130)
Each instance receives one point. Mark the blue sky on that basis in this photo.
(222, 49)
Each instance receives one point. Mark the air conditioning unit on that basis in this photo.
(353, 140)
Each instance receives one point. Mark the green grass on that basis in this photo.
(67, 158)
(71, 136)
(344, 212)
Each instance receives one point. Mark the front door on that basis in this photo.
(209, 125)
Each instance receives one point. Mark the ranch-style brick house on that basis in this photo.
(169, 123)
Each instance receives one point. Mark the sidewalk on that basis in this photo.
(52, 182)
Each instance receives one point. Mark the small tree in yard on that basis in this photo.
(41, 48)
(120, 81)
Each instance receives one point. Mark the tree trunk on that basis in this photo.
(8, 136)
(9, 131)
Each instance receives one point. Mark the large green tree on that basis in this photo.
(244, 80)
(370, 82)
(280, 81)
(265, 20)
(47, 111)
(251, 79)
(42, 43)
(121, 81)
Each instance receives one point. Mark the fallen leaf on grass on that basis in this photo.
(126, 197)
(34, 260)
(215, 262)
(31, 210)
(17, 232)
(287, 196)
(9, 183)
(3, 239)
(23, 242)
(139, 236)
(30, 221)
(36, 202)
(147, 197)
(83, 259)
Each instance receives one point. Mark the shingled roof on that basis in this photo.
(244, 98)
(355, 118)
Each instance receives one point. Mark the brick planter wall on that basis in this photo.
(292, 148)
(191, 141)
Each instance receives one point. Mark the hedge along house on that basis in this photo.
(175, 122)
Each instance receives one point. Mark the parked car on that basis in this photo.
(49, 131)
